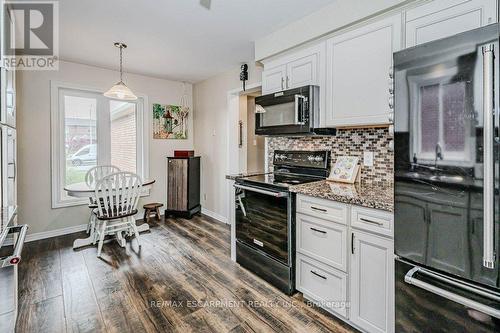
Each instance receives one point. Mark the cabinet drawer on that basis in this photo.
(322, 284)
(372, 220)
(322, 240)
(325, 209)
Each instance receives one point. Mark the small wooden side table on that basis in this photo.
(152, 208)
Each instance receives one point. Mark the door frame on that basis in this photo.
(232, 164)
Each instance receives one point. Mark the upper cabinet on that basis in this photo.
(443, 18)
(359, 64)
(8, 92)
(273, 79)
(353, 68)
(8, 84)
(298, 69)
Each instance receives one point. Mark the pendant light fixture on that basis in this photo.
(120, 90)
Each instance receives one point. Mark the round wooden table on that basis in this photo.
(82, 190)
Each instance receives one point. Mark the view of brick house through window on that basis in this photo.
(123, 135)
(95, 130)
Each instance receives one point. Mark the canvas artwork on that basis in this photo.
(169, 121)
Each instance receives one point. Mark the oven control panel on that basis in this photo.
(302, 158)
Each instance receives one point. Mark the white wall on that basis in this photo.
(333, 17)
(210, 127)
(33, 124)
(255, 144)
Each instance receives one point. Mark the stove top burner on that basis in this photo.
(279, 180)
(292, 167)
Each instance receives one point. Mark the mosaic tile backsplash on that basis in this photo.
(347, 142)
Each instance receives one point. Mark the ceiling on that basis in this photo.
(172, 39)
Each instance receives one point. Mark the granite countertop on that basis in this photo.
(6, 216)
(244, 174)
(378, 196)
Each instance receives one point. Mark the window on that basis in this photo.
(88, 129)
(442, 121)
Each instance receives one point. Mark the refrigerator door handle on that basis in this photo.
(411, 279)
(488, 137)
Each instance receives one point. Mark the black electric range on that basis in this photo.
(265, 219)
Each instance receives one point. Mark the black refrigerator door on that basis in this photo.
(446, 204)
(421, 306)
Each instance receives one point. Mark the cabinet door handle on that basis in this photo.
(371, 221)
(352, 243)
(282, 83)
(287, 82)
(318, 209)
(319, 275)
(317, 230)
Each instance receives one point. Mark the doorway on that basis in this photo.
(251, 147)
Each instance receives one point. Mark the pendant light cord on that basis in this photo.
(121, 63)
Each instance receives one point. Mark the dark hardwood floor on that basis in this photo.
(182, 280)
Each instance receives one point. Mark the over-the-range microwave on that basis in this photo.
(290, 112)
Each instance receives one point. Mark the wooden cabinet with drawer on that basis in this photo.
(325, 209)
(322, 240)
(322, 284)
(345, 256)
(372, 220)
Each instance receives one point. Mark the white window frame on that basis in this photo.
(58, 131)
(449, 158)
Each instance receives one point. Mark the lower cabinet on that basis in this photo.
(322, 284)
(372, 282)
(345, 264)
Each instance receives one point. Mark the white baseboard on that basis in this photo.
(52, 233)
(82, 227)
(214, 215)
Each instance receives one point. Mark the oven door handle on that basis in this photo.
(261, 191)
(15, 257)
(411, 279)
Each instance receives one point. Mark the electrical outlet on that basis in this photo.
(255, 142)
(368, 158)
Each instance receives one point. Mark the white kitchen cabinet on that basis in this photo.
(294, 70)
(322, 208)
(322, 284)
(303, 71)
(8, 86)
(357, 77)
(322, 240)
(372, 282)
(8, 81)
(443, 18)
(273, 79)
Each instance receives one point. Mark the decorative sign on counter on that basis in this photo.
(346, 170)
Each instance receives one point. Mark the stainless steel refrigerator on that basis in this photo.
(447, 184)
